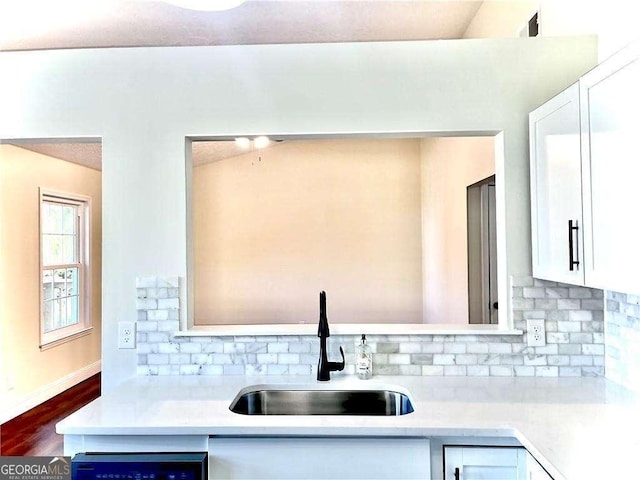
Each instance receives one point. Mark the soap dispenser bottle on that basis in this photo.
(364, 360)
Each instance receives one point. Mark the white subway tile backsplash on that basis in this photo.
(622, 325)
(573, 319)
(521, 371)
(478, 370)
(455, 348)
(179, 359)
(501, 371)
(455, 370)
(146, 304)
(158, 359)
(410, 347)
(432, 370)
(570, 371)
(282, 347)
(500, 348)
(267, 358)
(168, 347)
(288, 358)
(234, 369)
(433, 347)
(168, 304)
(168, 326)
(547, 371)
(157, 315)
(443, 359)
(478, 348)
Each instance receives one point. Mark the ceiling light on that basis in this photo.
(206, 5)
(243, 142)
(261, 142)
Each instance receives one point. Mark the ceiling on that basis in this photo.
(46, 24)
(90, 154)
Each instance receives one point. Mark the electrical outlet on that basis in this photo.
(535, 333)
(126, 335)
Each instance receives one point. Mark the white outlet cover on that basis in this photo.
(536, 336)
(126, 334)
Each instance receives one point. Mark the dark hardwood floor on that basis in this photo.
(34, 432)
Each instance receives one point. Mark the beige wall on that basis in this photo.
(449, 165)
(501, 18)
(32, 370)
(336, 215)
(613, 21)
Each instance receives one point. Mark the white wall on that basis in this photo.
(615, 22)
(143, 101)
(449, 166)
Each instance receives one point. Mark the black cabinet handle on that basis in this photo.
(456, 473)
(573, 249)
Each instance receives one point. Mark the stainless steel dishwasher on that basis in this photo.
(139, 466)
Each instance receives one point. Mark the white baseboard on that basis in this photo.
(25, 403)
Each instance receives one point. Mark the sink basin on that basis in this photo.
(301, 401)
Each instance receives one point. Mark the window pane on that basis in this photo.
(53, 220)
(55, 313)
(72, 311)
(62, 319)
(72, 281)
(52, 250)
(47, 316)
(69, 255)
(59, 283)
(47, 285)
(69, 219)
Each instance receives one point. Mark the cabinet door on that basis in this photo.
(485, 463)
(611, 162)
(308, 458)
(556, 189)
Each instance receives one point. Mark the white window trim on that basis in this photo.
(84, 326)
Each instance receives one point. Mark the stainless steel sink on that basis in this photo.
(267, 401)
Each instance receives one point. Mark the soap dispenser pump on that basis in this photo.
(364, 360)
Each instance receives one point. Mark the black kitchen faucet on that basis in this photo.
(325, 367)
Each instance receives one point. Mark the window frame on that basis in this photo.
(83, 263)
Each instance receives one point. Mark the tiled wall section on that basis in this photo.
(573, 319)
(622, 319)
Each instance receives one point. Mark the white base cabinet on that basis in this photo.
(333, 458)
(491, 463)
(485, 463)
(328, 458)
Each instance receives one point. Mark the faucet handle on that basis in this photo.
(337, 366)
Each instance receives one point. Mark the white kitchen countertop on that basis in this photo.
(577, 428)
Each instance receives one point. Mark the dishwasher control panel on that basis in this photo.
(139, 466)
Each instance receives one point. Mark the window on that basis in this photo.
(64, 267)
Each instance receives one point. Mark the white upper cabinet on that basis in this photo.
(556, 189)
(610, 123)
(585, 179)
